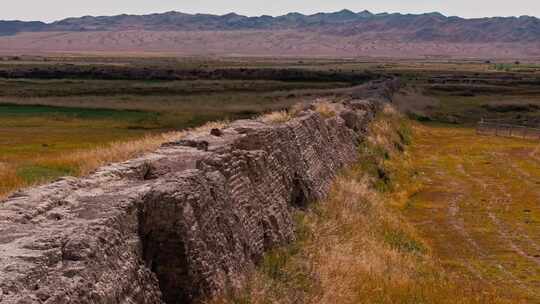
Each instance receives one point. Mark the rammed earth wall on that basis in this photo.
(180, 224)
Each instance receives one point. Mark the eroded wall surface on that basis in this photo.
(180, 224)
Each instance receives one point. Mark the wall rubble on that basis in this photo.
(182, 223)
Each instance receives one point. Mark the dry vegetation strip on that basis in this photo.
(357, 247)
(84, 161)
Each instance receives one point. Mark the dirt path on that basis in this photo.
(479, 207)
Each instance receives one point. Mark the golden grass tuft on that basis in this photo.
(8, 179)
(275, 117)
(325, 108)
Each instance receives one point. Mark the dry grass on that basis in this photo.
(8, 179)
(325, 108)
(85, 161)
(322, 106)
(88, 160)
(355, 246)
(276, 117)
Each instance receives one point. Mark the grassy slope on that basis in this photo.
(357, 246)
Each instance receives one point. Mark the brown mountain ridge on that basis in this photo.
(339, 34)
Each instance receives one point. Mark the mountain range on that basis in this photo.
(343, 30)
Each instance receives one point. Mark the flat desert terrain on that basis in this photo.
(281, 43)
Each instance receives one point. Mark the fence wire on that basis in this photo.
(494, 128)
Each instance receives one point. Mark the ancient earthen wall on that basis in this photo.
(180, 224)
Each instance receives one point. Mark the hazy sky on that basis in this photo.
(49, 10)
